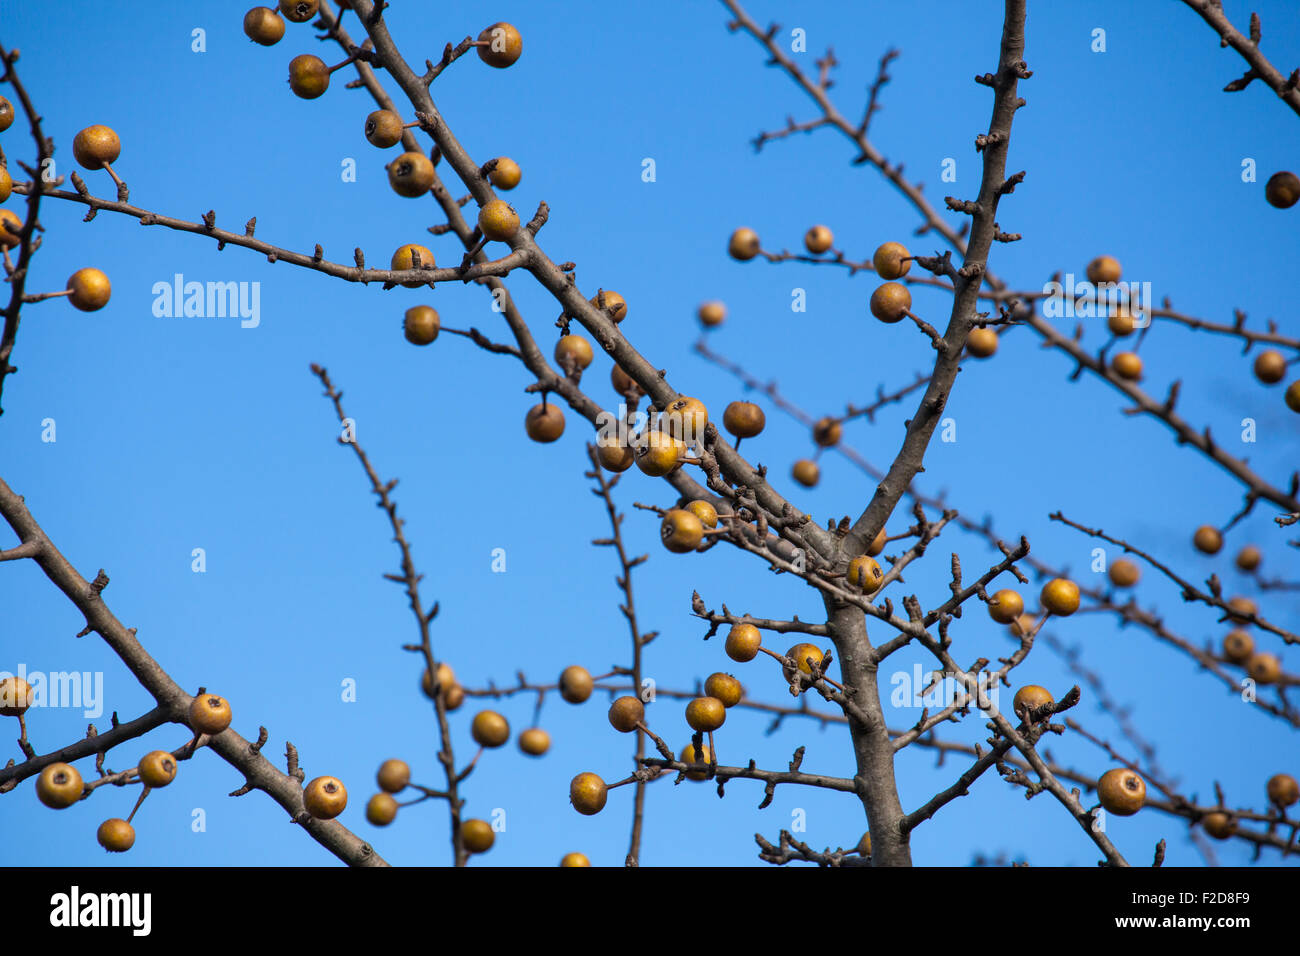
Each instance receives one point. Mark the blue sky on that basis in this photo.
(183, 433)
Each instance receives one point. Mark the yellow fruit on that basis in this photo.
(6, 114)
(659, 453)
(891, 260)
(613, 456)
(421, 324)
(10, 226)
(446, 679)
(1207, 539)
(1241, 609)
(381, 810)
(157, 769)
(878, 542)
(405, 258)
(1282, 190)
(1121, 322)
(1029, 699)
(299, 11)
(1292, 396)
(477, 836)
(1006, 606)
(116, 835)
(615, 307)
(573, 353)
(209, 714)
(59, 786)
(743, 245)
(263, 25)
(891, 302)
(498, 220)
(725, 688)
(625, 713)
(818, 239)
(982, 343)
(1264, 668)
(623, 383)
(6, 184)
(744, 419)
(384, 129)
(534, 741)
(806, 472)
(575, 859)
(309, 77)
(1248, 558)
(1283, 791)
(706, 714)
(325, 798)
(411, 175)
(501, 45)
(827, 432)
(1104, 269)
(681, 531)
(96, 146)
(865, 573)
(1127, 365)
(90, 289)
(489, 729)
(1122, 792)
(800, 654)
(588, 793)
(1219, 825)
(743, 642)
(393, 775)
(686, 419)
(705, 511)
(544, 423)
(576, 684)
(506, 174)
(702, 755)
(1238, 646)
(711, 314)
(1123, 573)
(1060, 596)
(1270, 367)
(15, 697)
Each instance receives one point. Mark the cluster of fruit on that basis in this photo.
(1106, 270)
(1270, 365)
(1059, 596)
(95, 147)
(60, 785)
(411, 174)
(490, 730)
(1238, 645)
(477, 836)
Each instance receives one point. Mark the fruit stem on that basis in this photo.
(42, 296)
(143, 793)
(345, 63)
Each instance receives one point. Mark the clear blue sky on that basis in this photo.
(175, 434)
